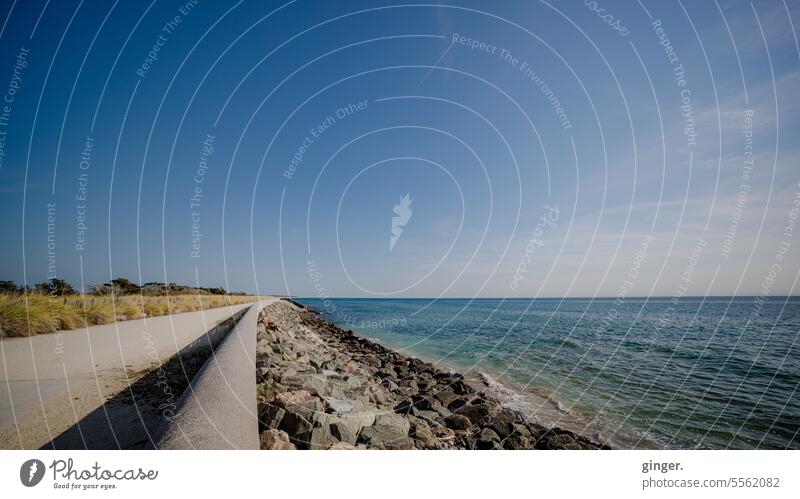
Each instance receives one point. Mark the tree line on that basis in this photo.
(118, 286)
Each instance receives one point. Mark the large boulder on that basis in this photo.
(395, 421)
(385, 437)
(355, 411)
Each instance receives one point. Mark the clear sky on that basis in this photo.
(547, 149)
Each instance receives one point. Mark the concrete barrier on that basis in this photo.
(218, 410)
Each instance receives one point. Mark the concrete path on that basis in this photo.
(50, 382)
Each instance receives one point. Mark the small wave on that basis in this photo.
(567, 343)
(518, 401)
(647, 346)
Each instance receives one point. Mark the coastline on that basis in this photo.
(321, 387)
(532, 401)
(542, 403)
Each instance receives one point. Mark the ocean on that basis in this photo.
(713, 373)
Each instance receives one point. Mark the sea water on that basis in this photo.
(647, 373)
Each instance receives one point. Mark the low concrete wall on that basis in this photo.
(218, 410)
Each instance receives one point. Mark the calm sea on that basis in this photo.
(703, 373)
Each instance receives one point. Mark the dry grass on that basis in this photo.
(35, 313)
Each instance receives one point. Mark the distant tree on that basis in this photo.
(55, 286)
(101, 289)
(215, 291)
(124, 286)
(8, 287)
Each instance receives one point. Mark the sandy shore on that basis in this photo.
(320, 387)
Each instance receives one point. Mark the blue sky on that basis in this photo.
(668, 176)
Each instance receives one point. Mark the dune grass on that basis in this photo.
(36, 313)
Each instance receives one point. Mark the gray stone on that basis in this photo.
(393, 420)
(344, 431)
(385, 437)
(320, 438)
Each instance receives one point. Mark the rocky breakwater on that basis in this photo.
(320, 387)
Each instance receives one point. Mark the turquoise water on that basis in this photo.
(713, 373)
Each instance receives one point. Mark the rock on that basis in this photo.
(474, 412)
(503, 423)
(275, 440)
(456, 404)
(516, 442)
(294, 424)
(300, 401)
(488, 445)
(321, 387)
(372, 360)
(264, 348)
(319, 438)
(422, 432)
(461, 388)
(389, 385)
(457, 422)
(345, 432)
(429, 415)
(441, 411)
(357, 412)
(386, 372)
(270, 416)
(339, 405)
(385, 437)
(418, 402)
(445, 396)
(551, 441)
(317, 383)
(522, 430)
(342, 446)
(392, 420)
(487, 434)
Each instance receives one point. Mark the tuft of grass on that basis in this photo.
(37, 313)
(25, 317)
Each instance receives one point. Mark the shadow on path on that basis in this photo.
(131, 418)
